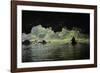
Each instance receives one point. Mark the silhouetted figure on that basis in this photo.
(44, 42)
(73, 41)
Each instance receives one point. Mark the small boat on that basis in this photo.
(74, 42)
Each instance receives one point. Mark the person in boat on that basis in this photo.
(74, 42)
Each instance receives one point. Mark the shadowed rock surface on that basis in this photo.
(26, 42)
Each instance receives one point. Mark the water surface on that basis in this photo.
(54, 52)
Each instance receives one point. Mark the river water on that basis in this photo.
(55, 52)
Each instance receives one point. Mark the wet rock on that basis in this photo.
(26, 42)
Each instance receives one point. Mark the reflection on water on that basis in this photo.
(53, 52)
